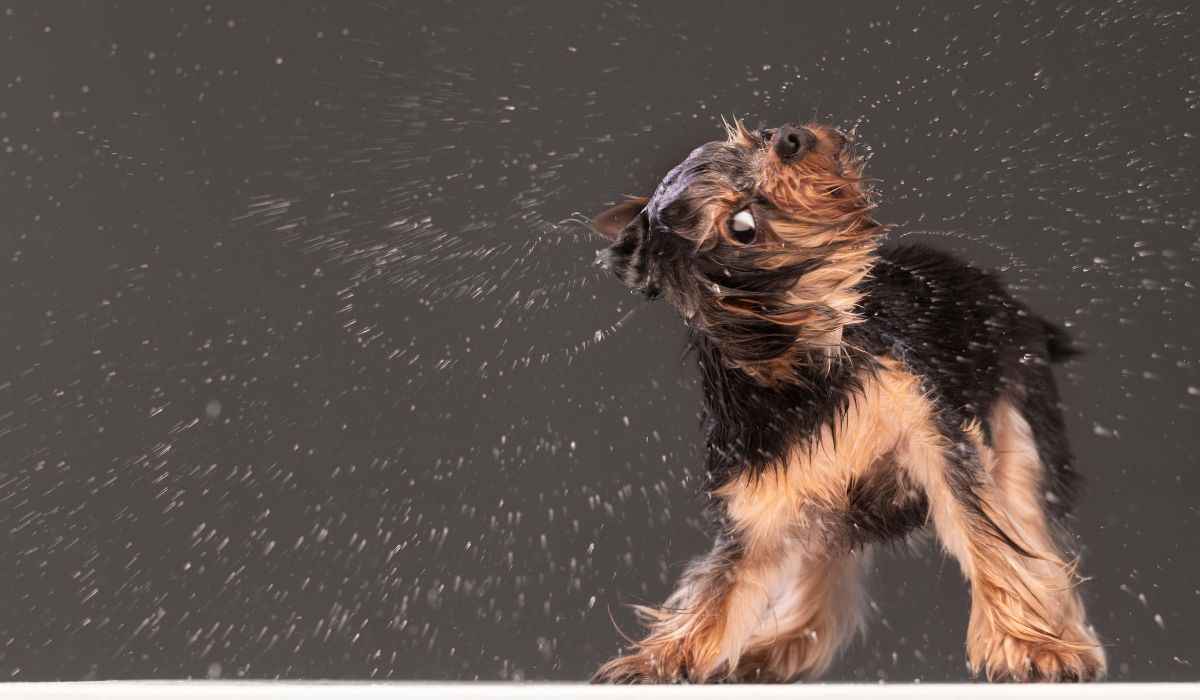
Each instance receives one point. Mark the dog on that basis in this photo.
(855, 393)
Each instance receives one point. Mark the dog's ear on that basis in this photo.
(611, 222)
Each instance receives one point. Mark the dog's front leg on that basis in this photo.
(772, 601)
(696, 631)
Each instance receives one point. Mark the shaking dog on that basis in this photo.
(853, 393)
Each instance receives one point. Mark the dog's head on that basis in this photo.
(759, 240)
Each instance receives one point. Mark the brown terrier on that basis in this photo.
(853, 394)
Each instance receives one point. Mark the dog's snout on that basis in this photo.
(792, 142)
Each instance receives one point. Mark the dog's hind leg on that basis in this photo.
(988, 509)
(1020, 479)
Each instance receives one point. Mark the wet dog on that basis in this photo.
(854, 393)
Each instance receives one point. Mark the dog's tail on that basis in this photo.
(1060, 346)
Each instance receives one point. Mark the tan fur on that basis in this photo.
(781, 592)
(1026, 621)
(811, 618)
(1000, 642)
(792, 597)
(736, 133)
(823, 214)
(787, 598)
(818, 215)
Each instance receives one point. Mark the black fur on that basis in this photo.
(883, 506)
(949, 323)
(969, 340)
(774, 262)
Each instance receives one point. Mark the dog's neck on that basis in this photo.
(751, 424)
(826, 301)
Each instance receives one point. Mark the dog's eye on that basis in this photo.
(741, 227)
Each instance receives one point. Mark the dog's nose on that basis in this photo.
(792, 142)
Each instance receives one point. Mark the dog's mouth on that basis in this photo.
(637, 276)
(635, 260)
(655, 284)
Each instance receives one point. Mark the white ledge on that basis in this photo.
(300, 690)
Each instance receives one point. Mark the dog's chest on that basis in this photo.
(842, 477)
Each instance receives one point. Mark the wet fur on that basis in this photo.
(852, 394)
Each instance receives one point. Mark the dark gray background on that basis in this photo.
(305, 375)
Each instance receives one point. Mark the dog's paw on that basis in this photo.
(638, 668)
(1007, 658)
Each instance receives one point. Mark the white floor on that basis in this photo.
(264, 690)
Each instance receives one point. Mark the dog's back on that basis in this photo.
(973, 344)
